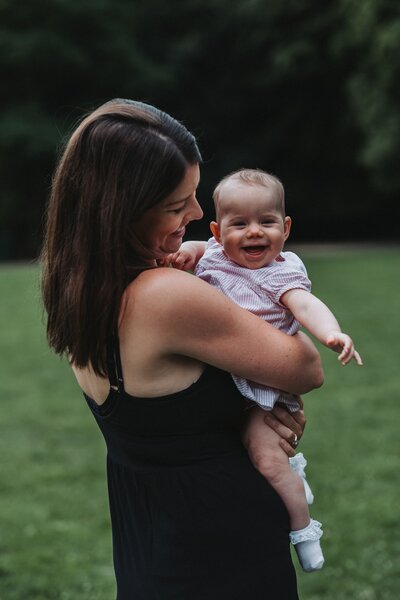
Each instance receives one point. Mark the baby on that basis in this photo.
(245, 261)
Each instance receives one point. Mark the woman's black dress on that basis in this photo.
(191, 517)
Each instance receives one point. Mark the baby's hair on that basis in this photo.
(254, 177)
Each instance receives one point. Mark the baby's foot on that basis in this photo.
(298, 464)
(307, 546)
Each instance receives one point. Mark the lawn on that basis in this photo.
(55, 538)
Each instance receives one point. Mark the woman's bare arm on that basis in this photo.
(194, 319)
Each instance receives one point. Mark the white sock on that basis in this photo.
(298, 464)
(307, 546)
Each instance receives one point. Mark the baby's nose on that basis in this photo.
(254, 229)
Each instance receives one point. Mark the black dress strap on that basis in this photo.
(114, 366)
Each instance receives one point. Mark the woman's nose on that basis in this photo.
(197, 212)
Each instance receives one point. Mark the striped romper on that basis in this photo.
(259, 291)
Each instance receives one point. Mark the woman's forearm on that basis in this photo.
(306, 371)
(288, 363)
(200, 322)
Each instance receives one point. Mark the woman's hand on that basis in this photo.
(289, 426)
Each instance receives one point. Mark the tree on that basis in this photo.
(372, 41)
(303, 89)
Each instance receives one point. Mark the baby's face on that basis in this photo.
(250, 227)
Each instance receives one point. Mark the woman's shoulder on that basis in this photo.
(168, 289)
(172, 302)
(169, 312)
(161, 282)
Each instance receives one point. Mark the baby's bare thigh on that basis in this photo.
(262, 441)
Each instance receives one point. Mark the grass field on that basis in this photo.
(55, 540)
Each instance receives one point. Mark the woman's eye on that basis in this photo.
(177, 210)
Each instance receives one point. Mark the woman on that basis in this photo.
(152, 349)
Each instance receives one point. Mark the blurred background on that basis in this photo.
(308, 90)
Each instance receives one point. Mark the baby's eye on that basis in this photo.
(239, 224)
(267, 222)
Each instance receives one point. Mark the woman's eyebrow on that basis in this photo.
(181, 200)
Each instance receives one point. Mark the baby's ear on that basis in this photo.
(286, 227)
(215, 230)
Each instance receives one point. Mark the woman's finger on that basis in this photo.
(287, 420)
(286, 447)
(282, 430)
(301, 419)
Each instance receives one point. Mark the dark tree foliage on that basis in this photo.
(304, 89)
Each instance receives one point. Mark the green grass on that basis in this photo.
(55, 540)
(55, 537)
(352, 440)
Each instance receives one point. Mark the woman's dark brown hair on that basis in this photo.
(123, 158)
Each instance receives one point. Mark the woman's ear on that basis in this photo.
(215, 230)
(287, 223)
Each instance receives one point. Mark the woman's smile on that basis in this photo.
(162, 227)
(180, 232)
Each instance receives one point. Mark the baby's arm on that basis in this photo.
(315, 316)
(187, 257)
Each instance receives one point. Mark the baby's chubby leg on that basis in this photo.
(272, 462)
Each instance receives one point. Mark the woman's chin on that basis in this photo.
(172, 246)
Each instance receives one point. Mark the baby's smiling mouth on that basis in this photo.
(253, 249)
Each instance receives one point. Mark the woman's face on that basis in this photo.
(161, 228)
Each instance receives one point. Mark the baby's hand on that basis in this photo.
(184, 259)
(342, 343)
